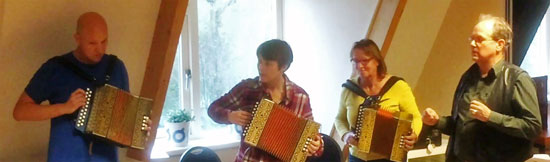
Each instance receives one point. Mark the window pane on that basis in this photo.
(173, 99)
(536, 61)
(229, 33)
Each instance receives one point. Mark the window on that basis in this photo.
(536, 61)
(217, 50)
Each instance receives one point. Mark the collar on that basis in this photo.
(493, 72)
(288, 88)
(498, 67)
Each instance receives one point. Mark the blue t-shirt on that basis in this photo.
(55, 82)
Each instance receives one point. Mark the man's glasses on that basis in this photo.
(478, 40)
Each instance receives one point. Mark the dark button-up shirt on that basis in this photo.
(513, 123)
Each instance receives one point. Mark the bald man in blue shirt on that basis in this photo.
(63, 86)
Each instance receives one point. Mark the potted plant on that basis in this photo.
(177, 127)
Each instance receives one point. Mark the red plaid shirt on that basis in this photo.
(243, 97)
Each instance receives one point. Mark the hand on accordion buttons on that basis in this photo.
(239, 117)
(76, 100)
(146, 125)
(407, 141)
(349, 138)
(314, 145)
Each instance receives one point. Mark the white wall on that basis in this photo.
(321, 34)
(414, 38)
(448, 55)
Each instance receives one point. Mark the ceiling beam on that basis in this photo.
(159, 65)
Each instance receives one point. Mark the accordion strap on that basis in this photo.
(350, 85)
(112, 59)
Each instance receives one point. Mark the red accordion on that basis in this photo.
(280, 132)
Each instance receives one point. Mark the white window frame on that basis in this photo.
(190, 90)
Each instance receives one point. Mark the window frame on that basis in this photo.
(188, 49)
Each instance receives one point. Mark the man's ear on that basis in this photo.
(76, 37)
(501, 44)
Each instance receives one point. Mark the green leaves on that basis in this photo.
(179, 115)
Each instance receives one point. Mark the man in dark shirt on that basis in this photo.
(495, 115)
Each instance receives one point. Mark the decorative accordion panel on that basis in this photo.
(115, 115)
(380, 132)
(280, 132)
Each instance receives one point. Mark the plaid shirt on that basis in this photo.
(243, 97)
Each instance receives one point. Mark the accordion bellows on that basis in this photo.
(380, 132)
(115, 115)
(280, 132)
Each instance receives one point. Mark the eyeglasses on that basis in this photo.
(362, 61)
(478, 40)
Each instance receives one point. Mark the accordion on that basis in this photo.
(116, 115)
(279, 132)
(379, 132)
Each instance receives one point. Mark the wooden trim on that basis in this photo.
(509, 17)
(393, 26)
(1, 16)
(159, 64)
(374, 17)
(280, 15)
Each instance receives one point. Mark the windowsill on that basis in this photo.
(163, 149)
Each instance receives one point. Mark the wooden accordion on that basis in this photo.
(380, 132)
(116, 115)
(279, 132)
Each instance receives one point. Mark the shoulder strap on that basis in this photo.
(357, 90)
(110, 67)
(389, 84)
(354, 88)
(71, 66)
(112, 59)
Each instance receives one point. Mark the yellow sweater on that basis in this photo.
(399, 98)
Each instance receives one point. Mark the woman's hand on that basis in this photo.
(349, 138)
(408, 141)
